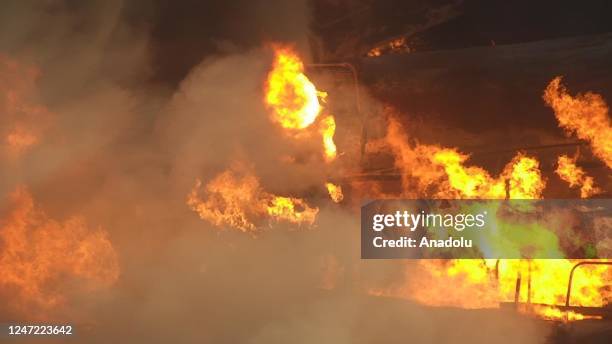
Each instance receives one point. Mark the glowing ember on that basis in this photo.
(235, 198)
(41, 257)
(576, 176)
(398, 45)
(585, 115)
(335, 192)
(291, 96)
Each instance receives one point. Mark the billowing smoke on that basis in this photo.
(108, 155)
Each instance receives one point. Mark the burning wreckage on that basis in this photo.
(563, 291)
(391, 119)
(387, 160)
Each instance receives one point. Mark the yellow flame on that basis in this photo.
(524, 178)
(328, 129)
(442, 172)
(236, 199)
(576, 176)
(585, 115)
(293, 210)
(292, 97)
(335, 192)
(555, 313)
(471, 182)
(479, 284)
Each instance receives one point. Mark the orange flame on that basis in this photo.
(291, 209)
(585, 115)
(398, 45)
(576, 176)
(335, 192)
(292, 97)
(39, 255)
(236, 199)
(475, 285)
(328, 129)
(470, 182)
(441, 172)
(524, 178)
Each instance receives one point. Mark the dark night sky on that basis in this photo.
(183, 32)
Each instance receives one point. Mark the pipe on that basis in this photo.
(571, 278)
(353, 72)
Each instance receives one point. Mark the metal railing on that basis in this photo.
(571, 277)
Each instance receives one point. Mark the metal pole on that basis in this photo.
(353, 72)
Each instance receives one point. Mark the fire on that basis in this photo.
(236, 199)
(40, 257)
(524, 178)
(576, 176)
(585, 115)
(398, 45)
(335, 192)
(488, 283)
(554, 313)
(328, 128)
(291, 209)
(294, 100)
(470, 182)
(442, 172)
(292, 97)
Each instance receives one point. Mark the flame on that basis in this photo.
(470, 182)
(398, 45)
(335, 192)
(40, 256)
(475, 285)
(585, 115)
(291, 209)
(294, 100)
(554, 313)
(524, 178)
(292, 97)
(236, 199)
(576, 176)
(328, 128)
(442, 172)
